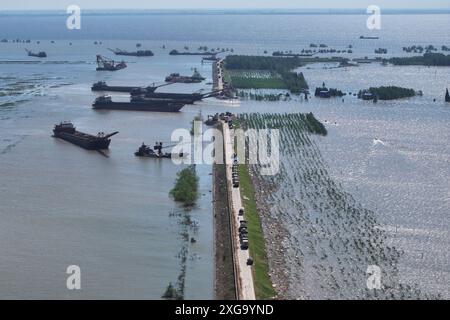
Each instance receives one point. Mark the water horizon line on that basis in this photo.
(228, 11)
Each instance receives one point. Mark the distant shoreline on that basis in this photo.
(140, 12)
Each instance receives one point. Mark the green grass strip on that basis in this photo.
(263, 284)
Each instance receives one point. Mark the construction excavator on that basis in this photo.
(147, 152)
(106, 64)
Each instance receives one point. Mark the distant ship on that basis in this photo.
(177, 53)
(176, 77)
(139, 104)
(40, 54)
(102, 86)
(139, 53)
(447, 96)
(67, 132)
(368, 38)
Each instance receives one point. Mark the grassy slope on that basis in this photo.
(263, 284)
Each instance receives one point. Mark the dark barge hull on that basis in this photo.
(154, 155)
(83, 140)
(121, 88)
(185, 97)
(37, 55)
(134, 54)
(162, 156)
(154, 106)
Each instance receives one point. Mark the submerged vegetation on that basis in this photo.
(324, 92)
(171, 293)
(186, 187)
(260, 96)
(279, 70)
(313, 125)
(306, 122)
(327, 239)
(428, 59)
(388, 92)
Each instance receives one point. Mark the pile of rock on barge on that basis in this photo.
(68, 132)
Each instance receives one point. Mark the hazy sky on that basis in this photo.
(218, 4)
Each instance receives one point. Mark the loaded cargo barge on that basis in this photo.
(68, 132)
(188, 98)
(102, 86)
(139, 53)
(138, 104)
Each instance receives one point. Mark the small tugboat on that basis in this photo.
(102, 86)
(147, 152)
(138, 103)
(105, 64)
(40, 54)
(176, 77)
(139, 53)
(67, 131)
